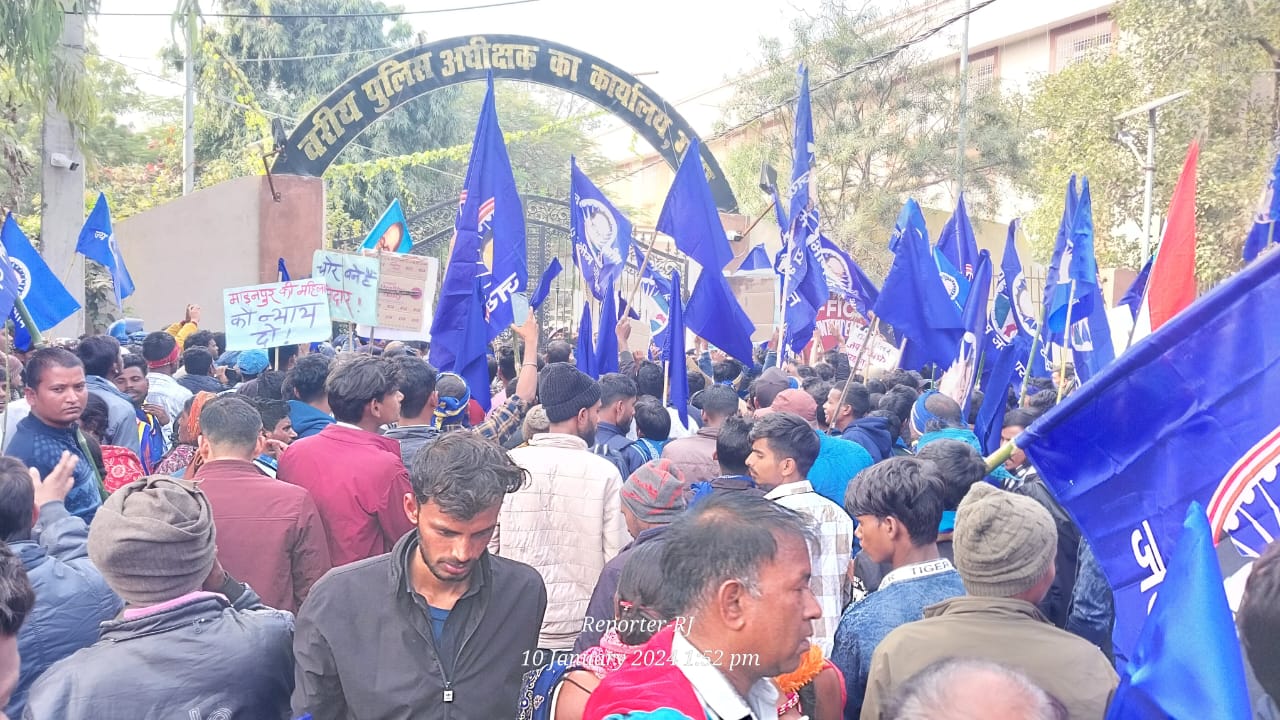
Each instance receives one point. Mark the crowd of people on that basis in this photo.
(190, 532)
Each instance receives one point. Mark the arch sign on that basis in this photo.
(385, 85)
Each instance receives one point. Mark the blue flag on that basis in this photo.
(807, 292)
(1187, 663)
(802, 217)
(1133, 296)
(473, 355)
(1187, 414)
(544, 285)
(1089, 337)
(10, 284)
(98, 243)
(601, 235)
(489, 211)
(689, 215)
(956, 284)
(391, 234)
(757, 259)
(1012, 311)
(46, 299)
(655, 298)
(1264, 232)
(673, 352)
(913, 299)
(606, 350)
(282, 270)
(974, 341)
(957, 242)
(1008, 370)
(1075, 286)
(845, 278)
(584, 354)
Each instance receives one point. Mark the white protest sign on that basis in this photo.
(352, 281)
(275, 314)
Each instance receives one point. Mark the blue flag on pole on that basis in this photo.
(956, 284)
(957, 242)
(1008, 370)
(757, 259)
(802, 218)
(673, 353)
(655, 298)
(10, 284)
(601, 235)
(1133, 296)
(583, 352)
(974, 341)
(845, 278)
(606, 350)
(282, 270)
(473, 355)
(1187, 414)
(1187, 663)
(489, 212)
(98, 243)
(47, 300)
(1263, 232)
(808, 292)
(689, 215)
(391, 234)
(1089, 337)
(544, 285)
(1012, 310)
(913, 299)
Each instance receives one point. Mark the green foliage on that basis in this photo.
(1224, 53)
(883, 133)
(30, 31)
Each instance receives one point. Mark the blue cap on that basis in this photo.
(252, 362)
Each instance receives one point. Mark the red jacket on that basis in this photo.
(269, 532)
(358, 483)
(647, 682)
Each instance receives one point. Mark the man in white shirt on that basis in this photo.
(160, 350)
(783, 448)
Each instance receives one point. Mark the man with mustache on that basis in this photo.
(57, 392)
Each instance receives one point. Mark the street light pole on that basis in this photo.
(1148, 167)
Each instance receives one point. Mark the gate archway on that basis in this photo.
(381, 87)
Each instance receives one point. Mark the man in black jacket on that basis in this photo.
(438, 627)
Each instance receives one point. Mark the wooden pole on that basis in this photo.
(1066, 345)
(757, 222)
(640, 273)
(997, 458)
(1035, 341)
(862, 351)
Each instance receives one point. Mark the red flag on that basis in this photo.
(1173, 275)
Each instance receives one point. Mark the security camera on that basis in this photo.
(59, 160)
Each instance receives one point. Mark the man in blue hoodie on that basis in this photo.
(847, 415)
(308, 402)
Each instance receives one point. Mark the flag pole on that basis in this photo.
(640, 272)
(862, 351)
(997, 458)
(1035, 341)
(37, 340)
(1062, 370)
(753, 225)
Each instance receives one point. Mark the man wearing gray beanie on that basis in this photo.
(567, 520)
(199, 642)
(1004, 550)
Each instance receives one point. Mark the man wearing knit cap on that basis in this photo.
(1004, 549)
(153, 542)
(652, 498)
(567, 520)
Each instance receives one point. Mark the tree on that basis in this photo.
(1225, 54)
(883, 133)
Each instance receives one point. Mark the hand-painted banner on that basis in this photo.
(275, 314)
(408, 279)
(352, 281)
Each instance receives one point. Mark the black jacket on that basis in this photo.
(364, 647)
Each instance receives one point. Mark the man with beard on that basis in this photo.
(617, 410)
(567, 522)
(438, 627)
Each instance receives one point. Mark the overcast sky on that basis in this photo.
(692, 45)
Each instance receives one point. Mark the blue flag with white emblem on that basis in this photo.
(957, 242)
(98, 243)
(490, 222)
(601, 235)
(808, 292)
(1188, 414)
(845, 278)
(913, 299)
(655, 300)
(46, 298)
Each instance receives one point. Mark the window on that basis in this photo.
(1081, 40)
(983, 71)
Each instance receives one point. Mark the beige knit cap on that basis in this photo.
(1003, 542)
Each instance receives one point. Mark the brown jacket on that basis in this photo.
(695, 456)
(1002, 630)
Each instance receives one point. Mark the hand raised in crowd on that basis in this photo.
(624, 331)
(528, 332)
(55, 487)
(162, 415)
(193, 314)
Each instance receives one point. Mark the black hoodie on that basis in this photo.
(873, 434)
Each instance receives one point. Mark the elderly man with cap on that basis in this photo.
(567, 521)
(192, 641)
(1004, 546)
(652, 498)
